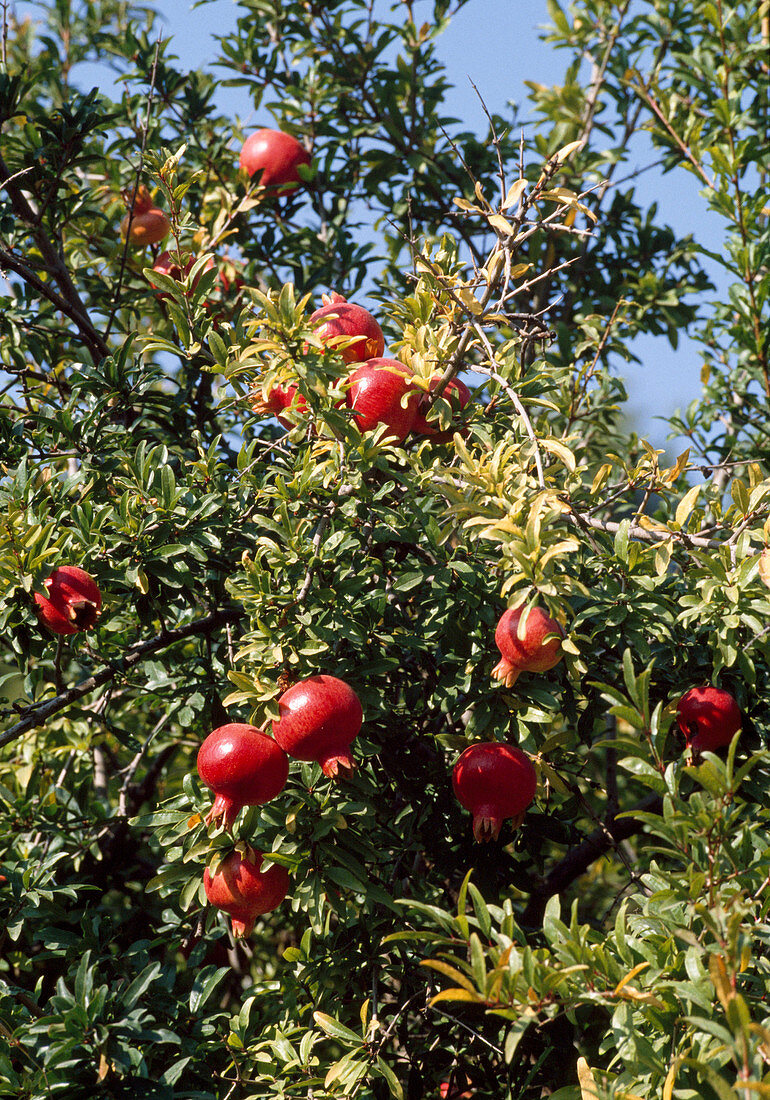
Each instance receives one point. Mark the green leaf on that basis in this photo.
(335, 1030)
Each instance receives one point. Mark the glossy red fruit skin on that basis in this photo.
(319, 717)
(708, 717)
(494, 781)
(149, 224)
(243, 767)
(526, 647)
(339, 317)
(459, 397)
(276, 155)
(73, 602)
(278, 399)
(240, 888)
(375, 394)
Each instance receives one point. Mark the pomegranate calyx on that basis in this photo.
(486, 824)
(82, 612)
(337, 765)
(506, 672)
(242, 928)
(224, 808)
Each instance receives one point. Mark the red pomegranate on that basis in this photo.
(277, 156)
(339, 317)
(319, 717)
(708, 718)
(494, 781)
(167, 264)
(148, 224)
(243, 767)
(240, 888)
(278, 399)
(457, 394)
(529, 640)
(73, 602)
(456, 1088)
(381, 391)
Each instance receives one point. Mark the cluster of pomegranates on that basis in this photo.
(378, 390)
(319, 717)
(276, 155)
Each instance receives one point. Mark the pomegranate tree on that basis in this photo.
(381, 391)
(277, 156)
(73, 600)
(494, 781)
(529, 641)
(243, 767)
(708, 717)
(319, 717)
(145, 222)
(340, 318)
(239, 887)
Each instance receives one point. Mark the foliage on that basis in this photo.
(616, 944)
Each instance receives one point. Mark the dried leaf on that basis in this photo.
(764, 566)
(515, 191)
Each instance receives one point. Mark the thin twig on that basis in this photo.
(38, 713)
(137, 178)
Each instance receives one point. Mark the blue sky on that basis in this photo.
(667, 379)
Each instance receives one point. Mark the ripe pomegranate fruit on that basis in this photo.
(243, 767)
(456, 393)
(149, 224)
(73, 602)
(708, 718)
(278, 399)
(319, 717)
(494, 781)
(167, 264)
(375, 395)
(240, 888)
(529, 640)
(455, 1089)
(277, 156)
(338, 317)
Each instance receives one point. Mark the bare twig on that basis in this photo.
(137, 178)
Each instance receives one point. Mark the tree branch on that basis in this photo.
(38, 713)
(579, 859)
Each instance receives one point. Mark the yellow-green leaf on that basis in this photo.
(566, 150)
(686, 504)
(450, 972)
(515, 191)
(497, 221)
(456, 995)
(560, 451)
(631, 974)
